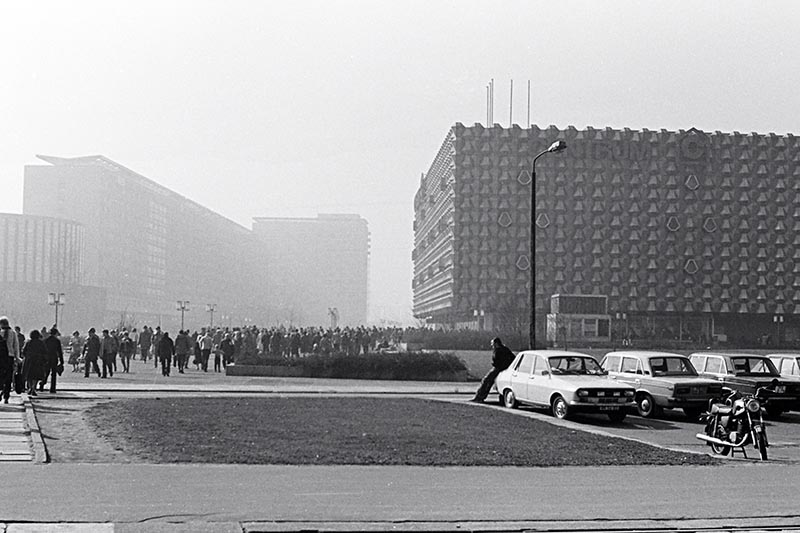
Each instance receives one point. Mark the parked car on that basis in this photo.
(564, 382)
(745, 373)
(662, 381)
(788, 364)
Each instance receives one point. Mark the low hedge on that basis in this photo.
(464, 339)
(412, 366)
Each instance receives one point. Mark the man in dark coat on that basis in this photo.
(55, 359)
(91, 352)
(165, 349)
(9, 357)
(502, 358)
(108, 352)
(183, 345)
(145, 341)
(35, 360)
(127, 348)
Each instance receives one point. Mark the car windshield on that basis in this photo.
(574, 365)
(748, 366)
(671, 366)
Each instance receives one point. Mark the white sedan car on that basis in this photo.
(564, 382)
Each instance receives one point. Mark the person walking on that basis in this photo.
(92, 351)
(183, 346)
(135, 338)
(108, 351)
(114, 348)
(156, 340)
(75, 350)
(34, 355)
(227, 349)
(165, 349)
(9, 357)
(127, 348)
(145, 341)
(206, 343)
(55, 359)
(502, 357)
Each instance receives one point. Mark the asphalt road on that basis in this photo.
(674, 431)
(222, 497)
(139, 493)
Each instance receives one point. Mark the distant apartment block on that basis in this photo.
(40, 255)
(148, 247)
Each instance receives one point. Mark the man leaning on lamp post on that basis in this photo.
(502, 358)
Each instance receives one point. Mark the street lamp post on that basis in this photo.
(778, 319)
(56, 299)
(557, 146)
(210, 308)
(183, 306)
(620, 317)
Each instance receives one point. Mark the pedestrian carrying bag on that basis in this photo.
(19, 381)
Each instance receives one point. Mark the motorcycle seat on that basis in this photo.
(718, 409)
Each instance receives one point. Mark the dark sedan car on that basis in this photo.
(747, 372)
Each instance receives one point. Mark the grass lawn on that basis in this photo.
(352, 430)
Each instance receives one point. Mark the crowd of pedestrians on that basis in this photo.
(38, 359)
(31, 362)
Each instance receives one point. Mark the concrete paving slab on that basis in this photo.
(130, 493)
(60, 528)
(191, 526)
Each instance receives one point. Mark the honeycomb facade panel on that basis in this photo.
(670, 225)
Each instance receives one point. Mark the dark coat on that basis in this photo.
(502, 357)
(165, 347)
(55, 354)
(92, 348)
(35, 364)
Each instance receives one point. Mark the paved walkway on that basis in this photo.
(15, 434)
(134, 498)
(150, 497)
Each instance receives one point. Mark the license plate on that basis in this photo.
(608, 408)
(780, 389)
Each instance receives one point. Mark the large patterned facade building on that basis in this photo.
(681, 234)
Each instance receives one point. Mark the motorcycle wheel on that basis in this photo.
(762, 446)
(718, 448)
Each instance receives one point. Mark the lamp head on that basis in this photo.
(558, 146)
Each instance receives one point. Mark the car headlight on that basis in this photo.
(753, 406)
(582, 393)
(629, 393)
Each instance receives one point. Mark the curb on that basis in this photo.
(39, 449)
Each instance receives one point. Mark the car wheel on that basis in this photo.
(692, 413)
(509, 400)
(560, 408)
(617, 416)
(646, 405)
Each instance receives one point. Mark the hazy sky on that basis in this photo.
(260, 108)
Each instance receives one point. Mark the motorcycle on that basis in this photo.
(736, 422)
